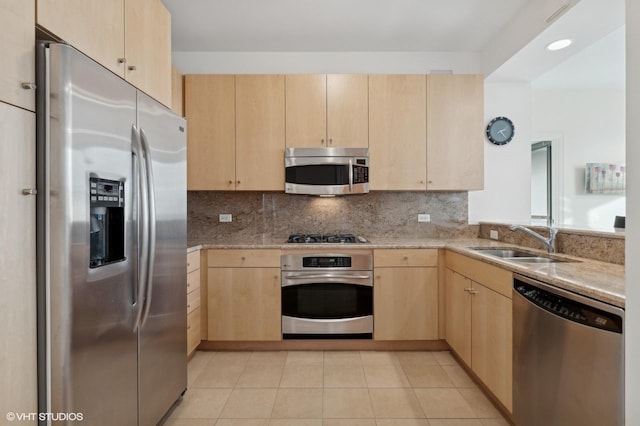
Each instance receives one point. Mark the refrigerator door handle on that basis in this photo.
(151, 217)
(142, 222)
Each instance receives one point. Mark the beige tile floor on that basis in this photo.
(331, 389)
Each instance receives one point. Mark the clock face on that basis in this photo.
(500, 130)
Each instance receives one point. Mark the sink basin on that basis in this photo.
(521, 256)
(500, 252)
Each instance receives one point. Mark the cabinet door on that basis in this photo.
(397, 132)
(211, 132)
(17, 262)
(148, 48)
(348, 110)
(177, 92)
(260, 133)
(306, 110)
(95, 27)
(193, 331)
(17, 42)
(492, 341)
(244, 304)
(455, 134)
(405, 304)
(458, 314)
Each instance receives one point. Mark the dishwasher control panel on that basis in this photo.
(569, 309)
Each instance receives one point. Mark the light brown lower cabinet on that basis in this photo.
(193, 301)
(479, 321)
(243, 295)
(405, 294)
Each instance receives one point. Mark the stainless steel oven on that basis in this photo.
(327, 294)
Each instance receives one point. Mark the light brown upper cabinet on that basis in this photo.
(327, 110)
(397, 132)
(455, 134)
(148, 48)
(132, 38)
(210, 108)
(177, 92)
(17, 43)
(235, 136)
(260, 132)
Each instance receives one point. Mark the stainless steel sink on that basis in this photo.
(505, 252)
(518, 255)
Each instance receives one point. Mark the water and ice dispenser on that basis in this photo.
(106, 226)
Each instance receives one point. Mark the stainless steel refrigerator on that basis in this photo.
(111, 228)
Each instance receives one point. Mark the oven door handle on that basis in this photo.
(324, 276)
(292, 283)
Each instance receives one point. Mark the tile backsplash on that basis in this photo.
(277, 215)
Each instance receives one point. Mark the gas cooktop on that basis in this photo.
(326, 238)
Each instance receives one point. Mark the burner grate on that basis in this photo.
(336, 238)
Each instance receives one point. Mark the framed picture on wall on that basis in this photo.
(604, 178)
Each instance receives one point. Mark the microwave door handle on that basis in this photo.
(350, 175)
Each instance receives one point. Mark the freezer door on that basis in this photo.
(162, 336)
(87, 346)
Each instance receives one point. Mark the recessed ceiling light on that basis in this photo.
(559, 44)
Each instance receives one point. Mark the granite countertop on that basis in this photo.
(598, 280)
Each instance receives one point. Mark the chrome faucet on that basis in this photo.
(549, 243)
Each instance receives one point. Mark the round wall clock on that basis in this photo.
(500, 130)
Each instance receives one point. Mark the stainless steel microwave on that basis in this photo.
(326, 171)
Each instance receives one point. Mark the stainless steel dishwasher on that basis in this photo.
(568, 358)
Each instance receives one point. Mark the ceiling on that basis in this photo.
(599, 66)
(338, 25)
(460, 26)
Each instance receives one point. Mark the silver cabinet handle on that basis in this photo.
(131, 67)
(122, 60)
(27, 85)
(29, 191)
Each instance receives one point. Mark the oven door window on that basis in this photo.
(318, 174)
(327, 301)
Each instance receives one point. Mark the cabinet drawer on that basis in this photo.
(402, 257)
(243, 258)
(193, 261)
(193, 330)
(193, 301)
(193, 281)
(497, 279)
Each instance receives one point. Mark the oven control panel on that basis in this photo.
(326, 262)
(345, 259)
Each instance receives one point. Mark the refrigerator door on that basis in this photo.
(87, 346)
(162, 335)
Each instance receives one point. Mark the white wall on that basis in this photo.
(591, 124)
(507, 169)
(632, 289)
